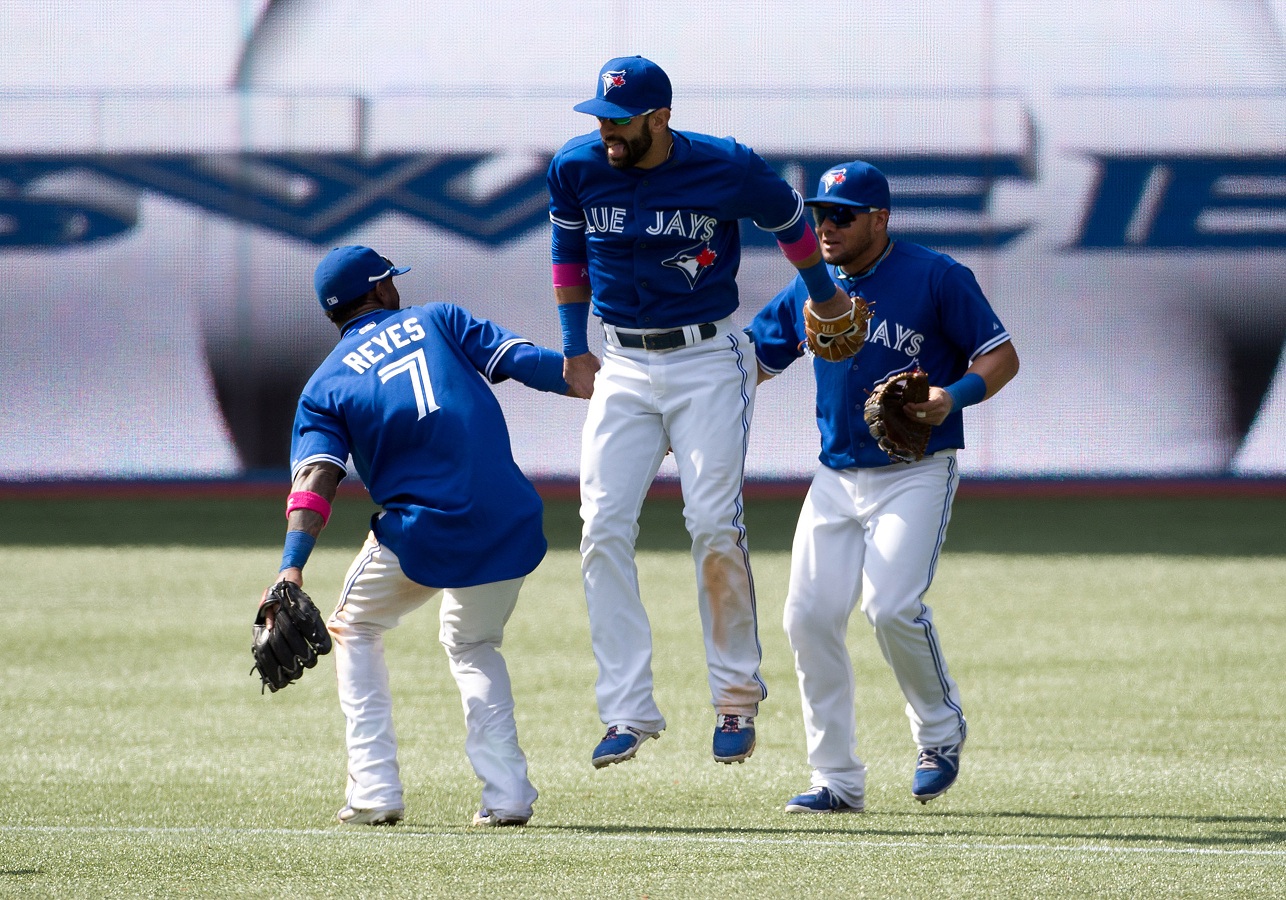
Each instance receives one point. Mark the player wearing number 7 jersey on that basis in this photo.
(405, 393)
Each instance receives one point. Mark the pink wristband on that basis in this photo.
(570, 274)
(308, 500)
(800, 250)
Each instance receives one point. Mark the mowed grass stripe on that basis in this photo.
(403, 833)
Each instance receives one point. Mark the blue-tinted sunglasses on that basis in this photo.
(842, 216)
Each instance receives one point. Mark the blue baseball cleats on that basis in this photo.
(935, 771)
(821, 800)
(734, 741)
(619, 744)
(734, 738)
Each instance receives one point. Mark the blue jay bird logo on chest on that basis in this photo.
(693, 262)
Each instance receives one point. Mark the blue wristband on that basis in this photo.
(574, 319)
(299, 544)
(818, 280)
(967, 391)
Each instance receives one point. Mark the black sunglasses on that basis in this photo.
(842, 216)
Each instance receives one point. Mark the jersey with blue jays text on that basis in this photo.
(663, 245)
(404, 393)
(927, 310)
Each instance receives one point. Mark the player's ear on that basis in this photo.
(387, 295)
(659, 120)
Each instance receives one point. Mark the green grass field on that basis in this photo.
(1121, 663)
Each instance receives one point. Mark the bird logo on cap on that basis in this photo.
(833, 177)
(613, 80)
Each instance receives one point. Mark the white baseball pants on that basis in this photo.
(873, 534)
(697, 401)
(375, 597)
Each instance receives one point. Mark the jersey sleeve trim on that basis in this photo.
(504, 348)
(990, 345)
(799, 211)
(318, 458)
(771, 370)
(569, 224)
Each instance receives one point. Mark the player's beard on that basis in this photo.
(854, 252)
(635, 149)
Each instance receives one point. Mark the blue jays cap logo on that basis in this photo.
(613, 80)
(834, 177)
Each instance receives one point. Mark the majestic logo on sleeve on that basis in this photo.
(834, 177)
(693, 262)
(613, 80)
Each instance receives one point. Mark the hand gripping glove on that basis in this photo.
(297, 636)
(835, 340)
(904, 439)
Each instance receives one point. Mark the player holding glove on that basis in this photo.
(875, 516)
(405, 394)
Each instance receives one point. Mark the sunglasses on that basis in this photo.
(628, 119)
(842, 216)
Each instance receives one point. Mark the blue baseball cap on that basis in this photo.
(628, 86)
(346, 273)
(852, 184)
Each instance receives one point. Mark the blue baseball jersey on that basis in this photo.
(663, 245)
(927, 311)
(403, 392)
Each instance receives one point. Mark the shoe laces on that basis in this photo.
(934, 757)
(731, 724)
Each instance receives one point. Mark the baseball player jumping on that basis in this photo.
(870, 528)
(405, 394)
(646, 226)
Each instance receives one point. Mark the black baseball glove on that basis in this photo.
(297, 637)
(904, 439)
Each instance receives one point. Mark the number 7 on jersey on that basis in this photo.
(417, 367)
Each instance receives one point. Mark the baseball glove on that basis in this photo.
(904, 439)
(835, 340)
(297, 636)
